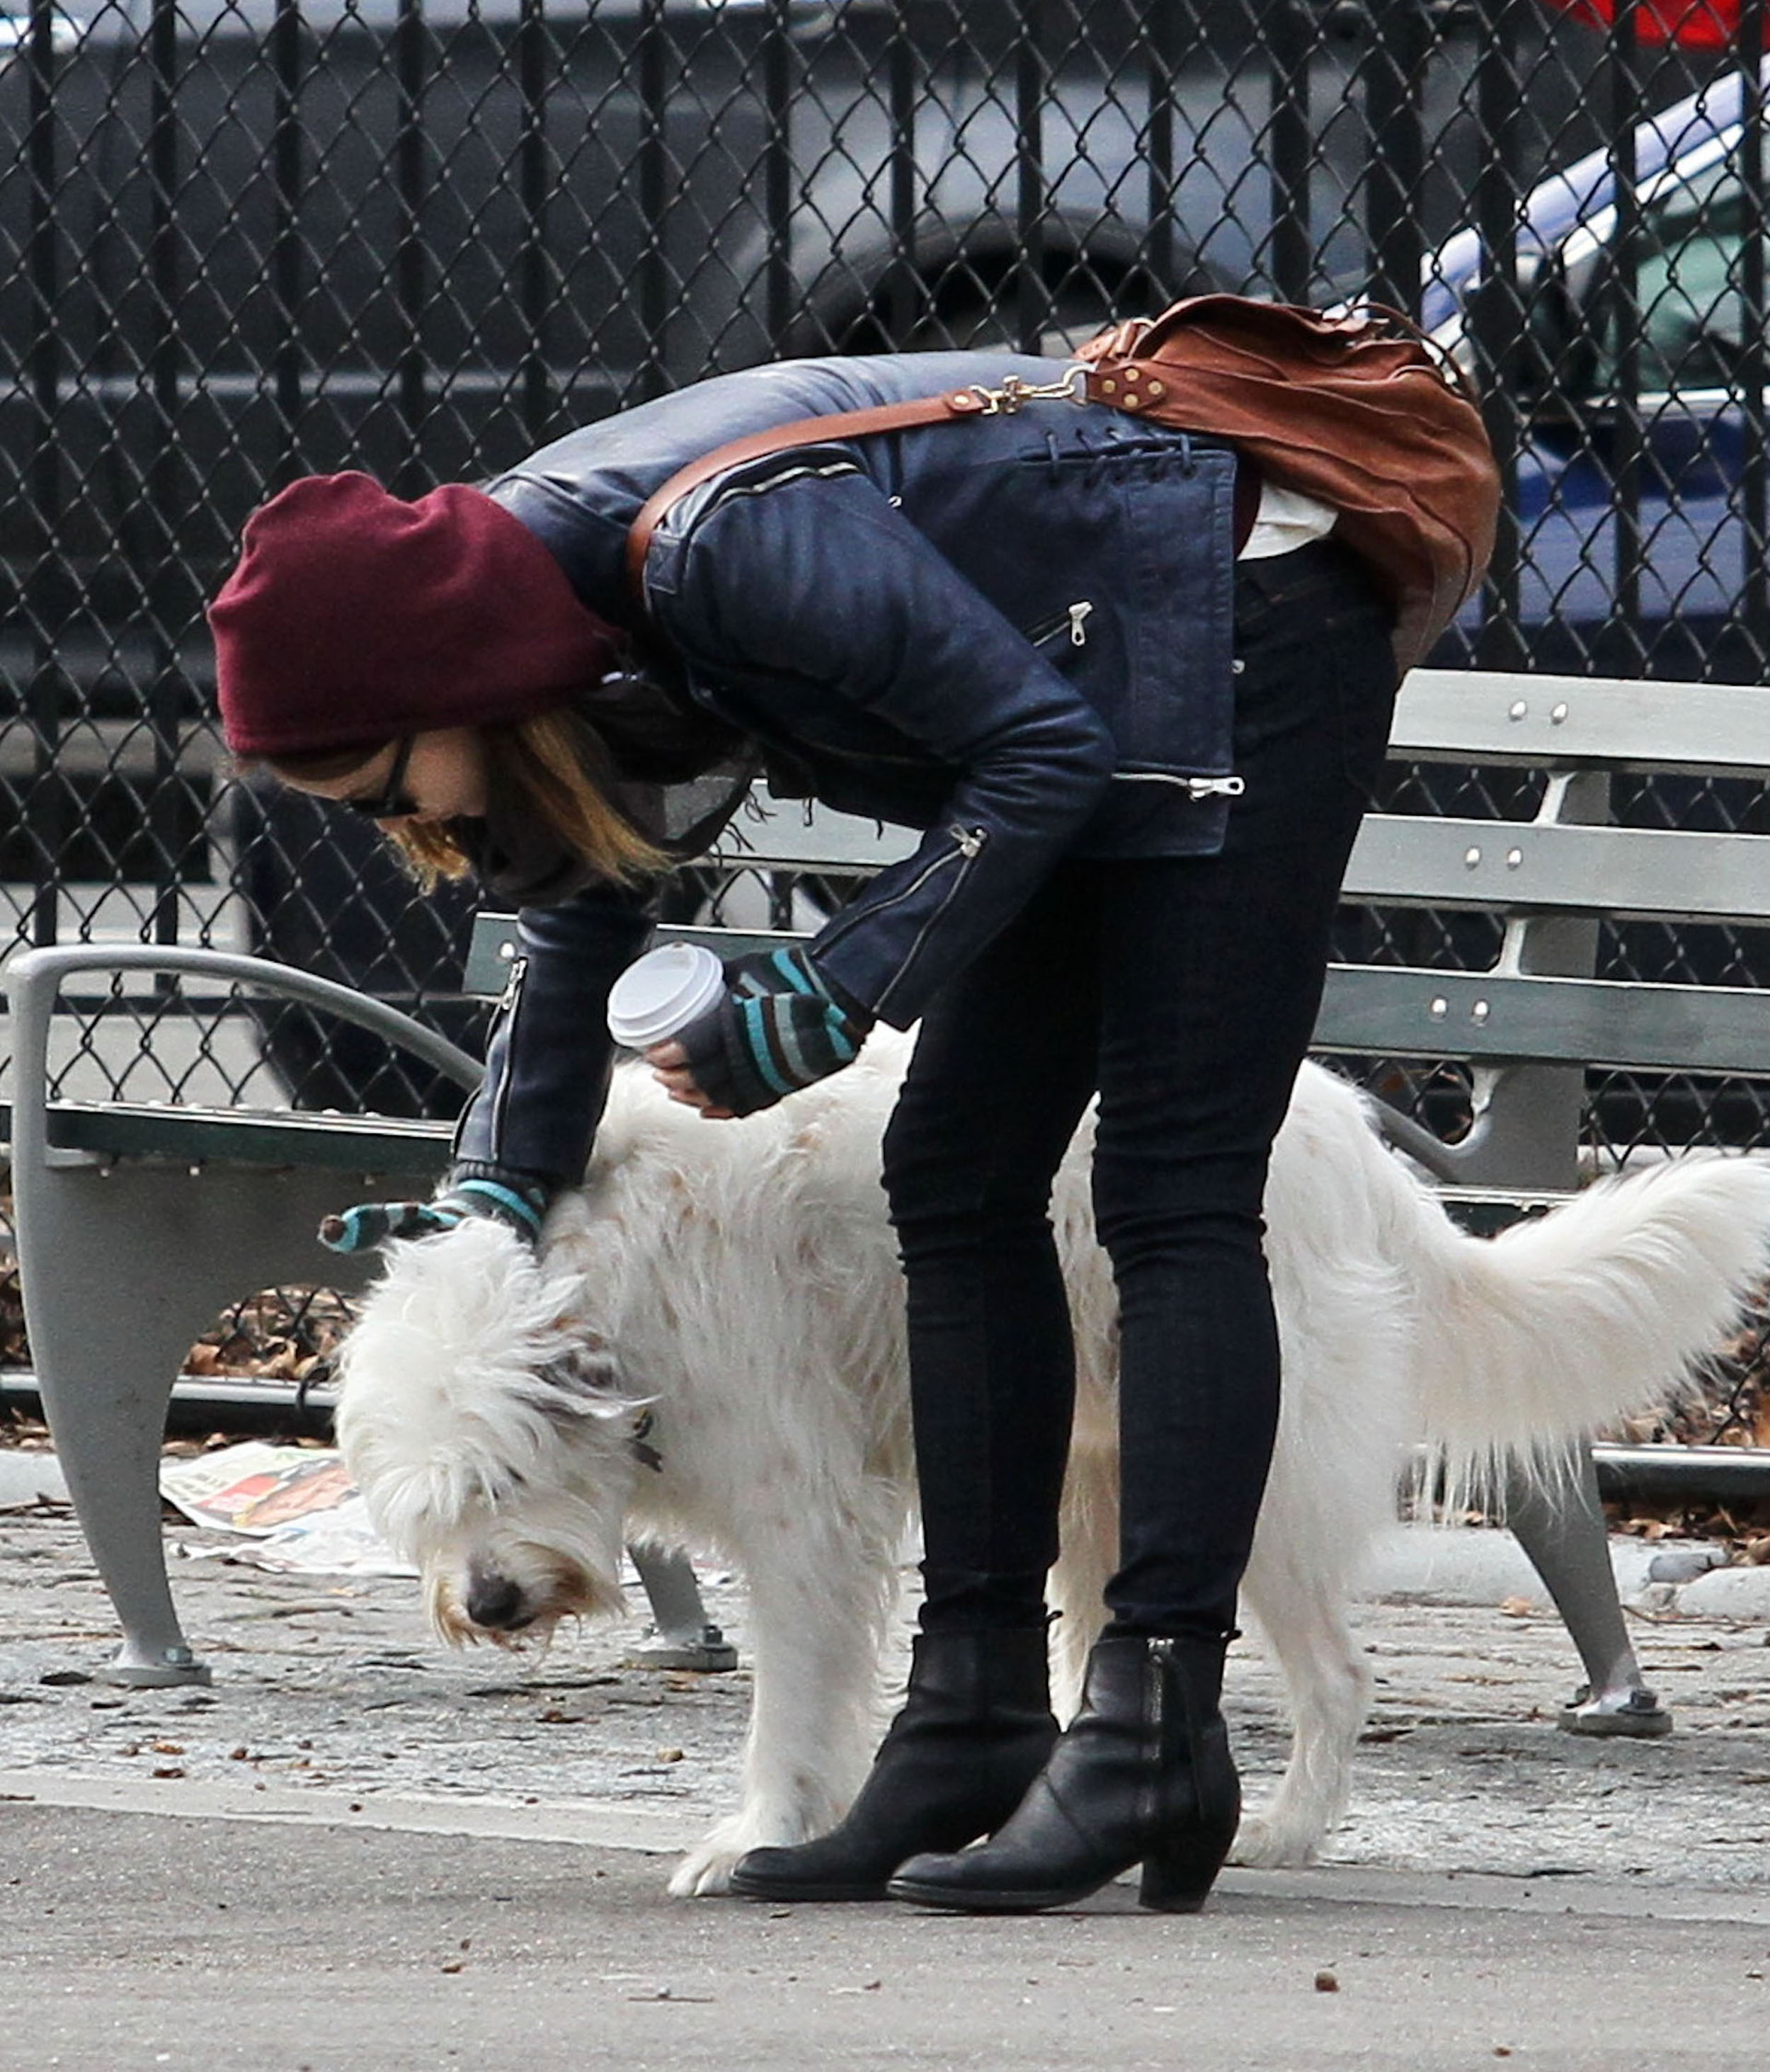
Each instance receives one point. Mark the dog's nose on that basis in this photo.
(495, 1601)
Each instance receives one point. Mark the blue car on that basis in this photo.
(1639, 384)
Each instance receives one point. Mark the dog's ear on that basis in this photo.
(583, 1381)
(501, 1485)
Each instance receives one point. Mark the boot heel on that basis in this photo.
(1178, 1879)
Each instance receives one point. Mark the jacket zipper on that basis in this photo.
(511, 1006)
(968, 846)
(1194, 787)
(967, 842)
(1075, 617)
(507, 1003)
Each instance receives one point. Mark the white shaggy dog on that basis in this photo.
(736, 1286)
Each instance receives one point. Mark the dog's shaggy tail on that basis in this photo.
(1606, 1306)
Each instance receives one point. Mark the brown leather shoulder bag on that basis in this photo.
(1356, 410)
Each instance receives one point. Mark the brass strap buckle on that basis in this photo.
(1015, 393)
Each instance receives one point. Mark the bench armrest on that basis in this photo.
(33, 980)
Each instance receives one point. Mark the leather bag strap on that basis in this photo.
(956, 404)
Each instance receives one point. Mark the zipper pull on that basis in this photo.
(1215, 787)
(1078, 630)
(970, 840)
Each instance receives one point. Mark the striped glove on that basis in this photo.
(779, 1027)
(518, 1199)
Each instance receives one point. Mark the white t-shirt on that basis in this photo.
(1284, 520)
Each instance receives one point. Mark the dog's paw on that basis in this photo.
(705, 1871)
(1267, 1844)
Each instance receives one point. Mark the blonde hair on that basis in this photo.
(555, 764)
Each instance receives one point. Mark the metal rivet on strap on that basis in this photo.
(1480, 1011)
(1439, 1008)
(1558, 716)
(1472, 857)
(1520, 710)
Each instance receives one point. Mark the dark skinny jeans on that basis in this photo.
(1183, 991)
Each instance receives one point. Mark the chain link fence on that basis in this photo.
(242, 241)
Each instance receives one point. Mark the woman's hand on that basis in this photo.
(670, 1066)
(777, 1027)
(471, 1189)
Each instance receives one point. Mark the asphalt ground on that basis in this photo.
(357, 1849)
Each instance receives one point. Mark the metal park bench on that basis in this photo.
(1536, 1025)
(137, 1225)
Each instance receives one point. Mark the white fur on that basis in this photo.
(739, 1281)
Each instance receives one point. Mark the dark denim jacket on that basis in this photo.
(1014, 631)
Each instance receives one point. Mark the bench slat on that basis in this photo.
(493, 947)
(1398, 1011)
(1403, 1012)
(795, 834)
(1466, 716)
(490, 952)
(732, 942)
(1651, 874)
(356, 1143)
(1486, 1211)
(1400, 859)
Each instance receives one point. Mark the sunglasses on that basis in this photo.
(392, 802)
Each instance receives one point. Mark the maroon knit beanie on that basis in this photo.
(353, 617)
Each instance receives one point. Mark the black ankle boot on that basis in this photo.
(975, 1729)
(1142, 1775)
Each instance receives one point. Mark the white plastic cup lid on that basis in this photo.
(662, 992)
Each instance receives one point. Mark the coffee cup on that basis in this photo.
(662, 992)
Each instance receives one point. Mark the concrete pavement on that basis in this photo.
(357, 1850)
(134, 1942)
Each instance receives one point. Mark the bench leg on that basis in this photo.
(121, 1272)
(1563, 1532)
(682, 1636)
